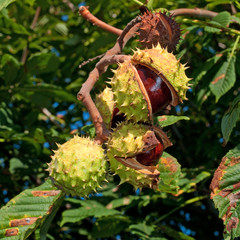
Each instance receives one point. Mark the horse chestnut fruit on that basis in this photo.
(152, 80)
(158, 92)
(151, 157)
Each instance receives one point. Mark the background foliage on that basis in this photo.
(38, 107)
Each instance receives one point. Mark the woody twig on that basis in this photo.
(194, 12)
(112, 56)
(84, 95)
(88, 16)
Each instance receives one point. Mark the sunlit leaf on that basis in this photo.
(16, 164)
(89, 208)
(5, 3)
(166, 120)
(225, 187)
(28, 210)
(214, 3)
(142, 230)
(175, 234)
(223, 18)
(224, 79)
(230, 119)
(9, 26)
(121, 202)
(89, 130)
(109, 226)
(61, 28)
(170, 171)
(188, 184)
(204, 68)
(39, 135)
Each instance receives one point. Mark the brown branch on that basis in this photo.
(33, 25)
(87, 15)
(109, 58)
(70, 5)
(128, 32)
(193, 12)
(177, 12)
(90, 60)
(51, 117)
(84, 95)
(36, 16)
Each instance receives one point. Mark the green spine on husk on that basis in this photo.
(105, 104)
(127, 139)
(127, 93)
(78, 166)
(165, 63)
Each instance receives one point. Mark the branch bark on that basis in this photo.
(70, 5)
(89, 17)
(196, 12)
(33, 25)
(102, 132)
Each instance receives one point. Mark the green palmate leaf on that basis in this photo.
(89, 208)
(224, 79)
(230, 119)
(16, 164)
(174, 234)
(39, 135)
(150, 4)
(166, 120)
(89, 130)
(52, 91)
(121, 202)
(187, 185)
(27, 211)
(225, 187)
(235, 19)
(223, 18)
(217, 2)
(5, 3)
(170, 171)
(40, 63)
(9, 26)
(142, 230)
(10, 67)
(109, 226)
(61, 28)
(213, 28)
(205, 67)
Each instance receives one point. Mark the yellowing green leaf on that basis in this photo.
(166, 120)
(225, 188)
(224, 79)
(28, 210)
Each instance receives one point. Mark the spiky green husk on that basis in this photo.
(105, 104)
(127, 140)
(130, 175)
(167, 64)
(78, 166)
(127, 93)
